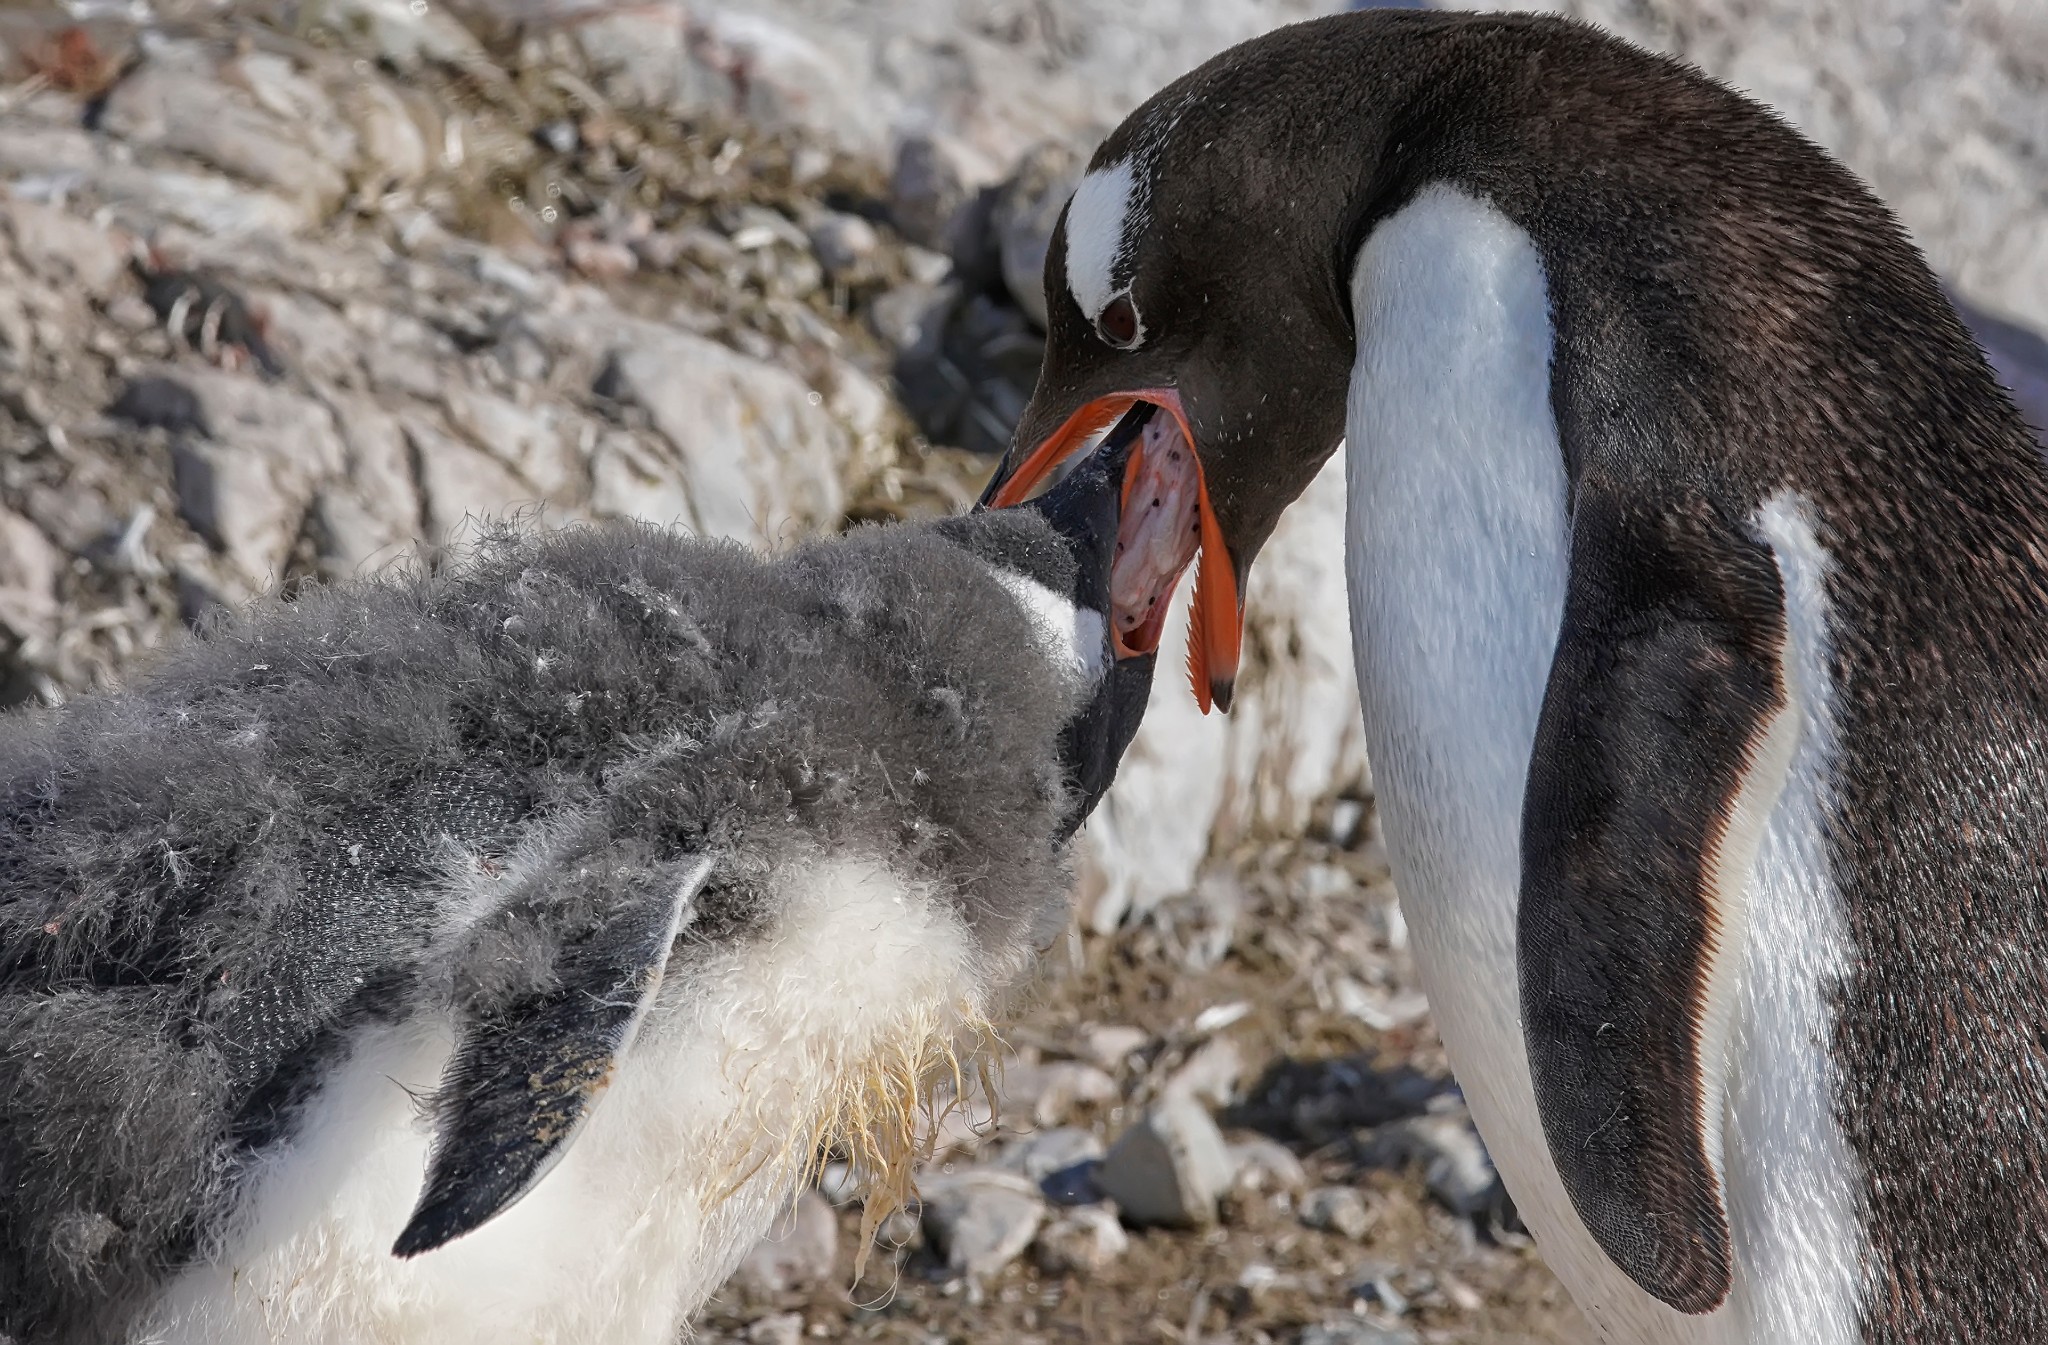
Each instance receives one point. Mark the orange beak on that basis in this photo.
(1216, 630)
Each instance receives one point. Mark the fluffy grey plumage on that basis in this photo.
(213, 880)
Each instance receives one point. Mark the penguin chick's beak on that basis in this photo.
(1085, 508)
(1166, 519)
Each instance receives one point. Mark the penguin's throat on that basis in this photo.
(1158, 535)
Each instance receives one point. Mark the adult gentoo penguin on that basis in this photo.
(1699, 588)
(486, 956)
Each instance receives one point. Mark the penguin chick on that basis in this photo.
(489, 955)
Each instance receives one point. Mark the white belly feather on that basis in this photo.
(1457, 560)
(686, 1161)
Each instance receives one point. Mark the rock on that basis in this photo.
(928, 183)
(1170, 1168)
(847, 245)
(1041, 1155)
(760, 458)
(392, 149)
(461, 486)
(1026, 209)
(798, 1252)
(910, 317)
(1356, 1331)
(1073, 1185)
(528, 438)
(29, 565)
(1319, 1101)
(231, 498)
(1210, 1076)
(1080, 1241)
(349, 537)
(1337, 1209)
(1111, 1045)
(1454, 1161)
(246, 483)
(981, 1219)
(782, 1328)
(628, 479)
(211, 205)
(379, 464)
(406, 33)
(1379, 1009)
(1049, 1092)
(162, 106)
(63, 248)
(1266, 1165)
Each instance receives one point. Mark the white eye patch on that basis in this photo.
(1075, 639)
(1099, 219)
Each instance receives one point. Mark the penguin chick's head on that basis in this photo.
(1063, 582)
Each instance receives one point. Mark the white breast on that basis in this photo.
(685, 1163)
(1457, 561)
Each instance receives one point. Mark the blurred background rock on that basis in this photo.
(289, 290)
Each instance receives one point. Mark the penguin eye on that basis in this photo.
(1118, 324)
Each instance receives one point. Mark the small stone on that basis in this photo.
(1346, 817)
(1039, 1156)
(1454, 1161)
(1026, 209)
(63, 248)
(1211, 1075)
(1073, 1185)
(1170, 1168)
(1111, 1045)
(28, 578)
(560, 136)
(1337, 1209)
(784, 1328)
(1266, 1165)
(981, 1219)
(1051, 1091)
(1374, 1283)
(927, 184)
(1219, 1016)
(847, 245)
(597, 257)
(1356, 1331)
(1080, 1241)
(799, 1251)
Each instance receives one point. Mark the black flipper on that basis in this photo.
(521, 1084)
(1663, 743)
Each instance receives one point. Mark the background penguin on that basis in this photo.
(487, 956)
(1699, 586)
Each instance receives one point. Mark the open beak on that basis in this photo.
(1216, 631)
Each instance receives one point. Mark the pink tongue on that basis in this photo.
(1160, 529)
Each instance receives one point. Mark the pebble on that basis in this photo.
(1080, 1241)
(981, 1219)
(1170, 1168)
(1211, 1075)
(1041, 1155)
(1111, 1045)
(1049, 1092)
(1337, 1209)
(847, 245)
(784, 1328)
(1219, 1016)
(1454, 1161)
(799, 1251)
(1266, 1165)
(1356, 1331)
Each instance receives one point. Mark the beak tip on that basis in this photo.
(1221, 690)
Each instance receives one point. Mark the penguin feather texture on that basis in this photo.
(335, 835)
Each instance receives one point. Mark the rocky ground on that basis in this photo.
(288, 290)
